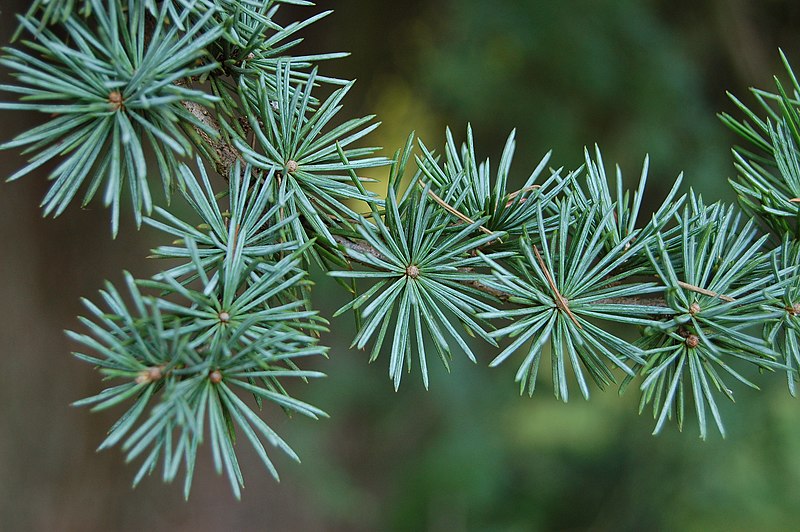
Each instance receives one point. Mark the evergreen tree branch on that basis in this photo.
(226, 155)
(365, 248)
(549, 267)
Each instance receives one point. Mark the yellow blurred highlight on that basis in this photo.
(400, 112)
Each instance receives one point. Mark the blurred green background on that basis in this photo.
(636, 77)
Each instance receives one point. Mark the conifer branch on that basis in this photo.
(226, 155)
(458, 254)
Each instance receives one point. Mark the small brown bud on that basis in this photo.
(251, 56)
(215, 376)
(291, 166)
(150, 375)
(412, 271)
(794, 310)
(224, 317)
(694, 309)
(116, 100)
(692, 340)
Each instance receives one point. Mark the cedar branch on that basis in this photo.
(227, 155)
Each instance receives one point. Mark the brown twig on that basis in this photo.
(226, 155)
(705, 292)
(639, 301)
(360, 247)
(522, 191)
(452, 210)
(561, 301)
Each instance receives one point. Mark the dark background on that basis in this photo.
(636, 77)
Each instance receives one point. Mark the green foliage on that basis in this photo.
(467, 186)
(251, 227)
(622, 225)
(782, 330)
(313, 180)
(711, 330)
(424, 269)
(184, 351)
(769, 170)
(255, 44)
(565, 267)
(52, 11)
(561, 291)
(111, 92)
